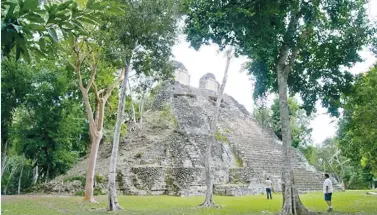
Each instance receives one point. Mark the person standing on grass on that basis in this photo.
(328, 189)
(268, 188)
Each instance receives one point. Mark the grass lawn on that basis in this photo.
(350, 202)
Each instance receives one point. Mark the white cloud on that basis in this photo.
(209, 60)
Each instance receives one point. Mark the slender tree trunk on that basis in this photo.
(47, 173)
(141, 108)
(132, 104)
(291, 200)
(89, 182)
(95, 123)
(113, 203)
(19, 180)
(208, 202)
(9, 179)
(35, 174)
(4, 158)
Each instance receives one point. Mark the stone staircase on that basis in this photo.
(264, 155)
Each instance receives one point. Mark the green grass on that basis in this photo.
(350, 202)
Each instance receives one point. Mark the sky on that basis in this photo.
(209, 60)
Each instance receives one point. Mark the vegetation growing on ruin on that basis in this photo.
(222, 138)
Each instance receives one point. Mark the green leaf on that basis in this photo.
(68, 25)
(26, 55)
(89, 3)
(34, 18)
(10, 11)
(42, 44)
(53, 34)
(115, 11)
(36, 27)
(97, 6)
(64, 5)
(30, 5)
(87, 20)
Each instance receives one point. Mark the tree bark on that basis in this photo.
(208, 202)
(95, 139)
(4, 158)
(141, 107)
(132, 104)
(291, 200)
(95, 122)
(19, 180)
(35, 174)
(113, 204)
(10, 177)
(47, 173)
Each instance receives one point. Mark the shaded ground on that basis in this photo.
(350, 202)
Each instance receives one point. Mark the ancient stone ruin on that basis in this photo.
(208, 81)
(181, 74)
(165, 155)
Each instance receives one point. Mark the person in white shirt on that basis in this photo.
(268, 184)
(327, 190)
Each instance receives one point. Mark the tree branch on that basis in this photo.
(109, 89)
(92, 72)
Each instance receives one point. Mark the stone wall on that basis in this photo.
(208, 82)
(182, 77)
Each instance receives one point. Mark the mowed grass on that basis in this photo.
(349, 202)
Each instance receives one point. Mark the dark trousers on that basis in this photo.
(268, 191)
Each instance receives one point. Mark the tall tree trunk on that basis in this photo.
(141, 108)
(9, 179)
(47, 173)
(95, 122)
(95, 140)
(208, 202)
(132, 104)
(35, 174)
(19, 180)
(4, 158)
(291, 200)
(113, 203)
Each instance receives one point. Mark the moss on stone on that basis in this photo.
(220, 137)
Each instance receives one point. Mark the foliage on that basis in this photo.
(34, 28)
(329, 158)
(220, 137)
(357, 130)
(43, 120)
(350, 202)
(269, 118)
(16, 82)
(305, 35)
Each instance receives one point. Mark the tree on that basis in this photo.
(46, 128)
(33, 29)
(208, 202)
(144, 35)
(15, 85)
(300, 45)
(357, 136)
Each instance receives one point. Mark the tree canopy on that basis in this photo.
(357, 130)
(311, 32)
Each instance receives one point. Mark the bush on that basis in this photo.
(76, 178)
(97, 191)
(80, 193)
(99, 179)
